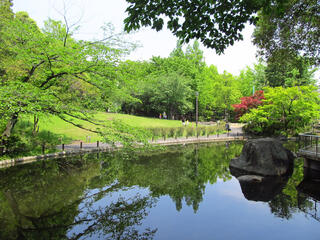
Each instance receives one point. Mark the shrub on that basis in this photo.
(164, 133)
(204, 130)
(211, 130)
(171, 132)
(248, 103)
(155, 132)
(198, 131)
(179, 132)
(286, 111)
(190, 132)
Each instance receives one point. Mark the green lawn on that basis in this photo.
(53, 131)
(58, 126)
(145, 122)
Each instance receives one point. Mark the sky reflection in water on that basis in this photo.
(179, 193)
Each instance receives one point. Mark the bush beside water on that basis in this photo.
(26, 142)
(187, 131)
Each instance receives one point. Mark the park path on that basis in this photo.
(235, 133)
(74, 149)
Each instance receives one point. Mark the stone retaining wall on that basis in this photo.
(23, 160)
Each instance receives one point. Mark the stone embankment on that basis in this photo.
(74, 149)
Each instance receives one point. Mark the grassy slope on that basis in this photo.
(58, 126)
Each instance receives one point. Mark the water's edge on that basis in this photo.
(109, 148)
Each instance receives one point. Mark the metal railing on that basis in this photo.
(309, 144)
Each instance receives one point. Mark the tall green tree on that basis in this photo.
(288, 69)
(154, 82)
(47, 71)
(287, 37)
(171, 93)
(225, 94)
(207, 83)
(252, 79)
(133, 75)
(291, 25)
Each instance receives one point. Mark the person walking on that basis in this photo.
(164, 115)
(228, 128)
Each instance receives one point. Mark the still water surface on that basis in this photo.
(177, 193)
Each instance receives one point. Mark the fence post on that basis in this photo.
(80, 145)
(305, 144)
(43, 148)
(317, 147)
(62, 146)
(97, 144)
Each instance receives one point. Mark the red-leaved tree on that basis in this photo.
(248, 103)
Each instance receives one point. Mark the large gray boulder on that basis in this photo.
(264, 156)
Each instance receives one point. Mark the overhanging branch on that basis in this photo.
(77, 125)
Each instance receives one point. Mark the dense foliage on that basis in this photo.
(285, 111)
(48, 71)
(281, 24)
(291, 25)
(171, 85)
(217, 24)
(252, 79)
(288, 38)
(248, 103)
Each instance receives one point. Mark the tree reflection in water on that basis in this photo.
(74, 198)
(50, 201)
(280, 192)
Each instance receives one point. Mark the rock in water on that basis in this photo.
(264, 189)
(250, 178)
(264, 156)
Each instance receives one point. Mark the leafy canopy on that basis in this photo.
(292, 25)
(217, 24)
(47, 71)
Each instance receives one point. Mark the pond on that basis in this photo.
(184, 192)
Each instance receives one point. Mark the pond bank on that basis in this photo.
(74, 149)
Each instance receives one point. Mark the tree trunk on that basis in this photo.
(7, 132)
(171, 112)
(35, 125)
(225, 115)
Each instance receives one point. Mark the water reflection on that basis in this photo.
(111, 197)
(309, 194)
(48, 199)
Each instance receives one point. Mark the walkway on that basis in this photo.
(235, 134)
(73, 149)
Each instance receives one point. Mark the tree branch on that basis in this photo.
(77, 125)
(31, 72)
(51, 77)
(84, 119)
(85, 80)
